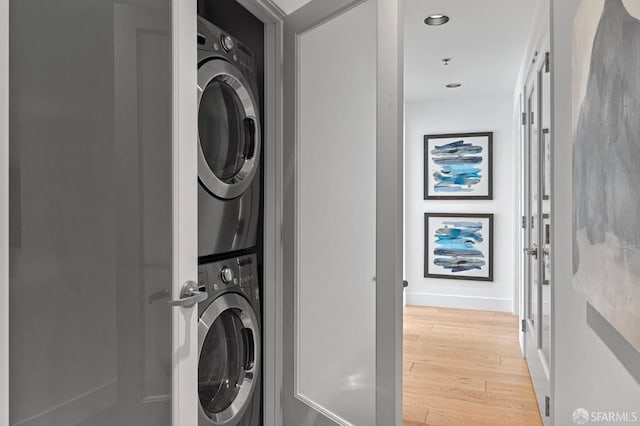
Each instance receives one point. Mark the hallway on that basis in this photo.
(464, 367)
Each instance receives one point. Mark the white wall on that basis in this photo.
(587, 373)
(458, 115)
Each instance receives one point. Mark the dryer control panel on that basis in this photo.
(216, 41)
(230, 273)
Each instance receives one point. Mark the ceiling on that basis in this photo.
(289, 6)
(486, 40)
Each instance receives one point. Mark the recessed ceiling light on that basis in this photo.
(436, 19)
(454, 85)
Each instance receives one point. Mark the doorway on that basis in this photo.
(465, 355)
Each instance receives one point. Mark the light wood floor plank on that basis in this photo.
(464, 367)
(414, 414)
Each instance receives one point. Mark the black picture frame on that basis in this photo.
(428, 245)
(429, 166)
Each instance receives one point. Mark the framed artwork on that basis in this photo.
(458, 246)
(458, 166)
(606, 162)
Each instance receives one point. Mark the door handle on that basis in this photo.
(250, 135)
(531, 251)
(189, 296)
(250, 348)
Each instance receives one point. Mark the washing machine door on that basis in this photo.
(228, 369)
(228, 129)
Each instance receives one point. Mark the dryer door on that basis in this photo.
(228, 369)
(228, 129)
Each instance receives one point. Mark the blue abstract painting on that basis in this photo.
(458, 166)
(458, 246)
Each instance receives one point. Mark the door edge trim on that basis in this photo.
(4, 212)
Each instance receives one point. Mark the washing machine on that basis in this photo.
(229, 144)
(229, 342)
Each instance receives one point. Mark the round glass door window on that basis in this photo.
(221, 369)
(228, 130)
(223, 130)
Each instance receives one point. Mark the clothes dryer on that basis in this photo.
(229, 144)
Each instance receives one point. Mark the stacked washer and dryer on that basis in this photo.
(229, 209)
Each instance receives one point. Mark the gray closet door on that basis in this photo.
(343, 214)
(101, 236)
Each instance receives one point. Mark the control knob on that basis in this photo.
(227, 42)
(226, 274)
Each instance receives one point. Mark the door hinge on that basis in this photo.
(523, 325)
(524, 222)
(533, 223)
(532, 118)
(547, 62)
(547, 406)
(524, 118)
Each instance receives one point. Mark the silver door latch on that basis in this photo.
(189, 296)
(531, 251)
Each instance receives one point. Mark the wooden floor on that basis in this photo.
(465, 368)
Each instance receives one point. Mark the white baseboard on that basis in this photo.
(461, 302)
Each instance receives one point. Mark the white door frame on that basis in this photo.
(540, 44)
(184, 215)
(390, 212)
(4, 212)
(185, 211)
(539, 370)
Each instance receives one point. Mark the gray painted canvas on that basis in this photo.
(606, 163)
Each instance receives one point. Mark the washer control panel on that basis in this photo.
(229, 273)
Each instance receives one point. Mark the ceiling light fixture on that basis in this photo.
(454, 85)
(436, 19)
